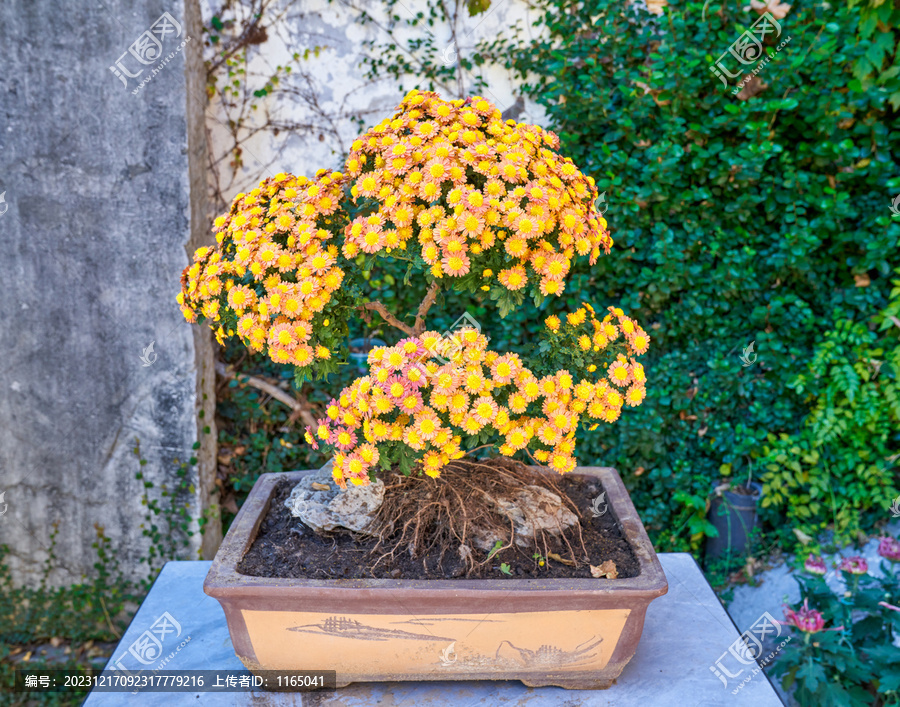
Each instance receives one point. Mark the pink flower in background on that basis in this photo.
(806, 619)
(815, 565)
(854, 565)
(889, 549)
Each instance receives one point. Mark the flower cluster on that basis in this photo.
(474, 193)
(587, 336)
(411, 399)
(274, 268)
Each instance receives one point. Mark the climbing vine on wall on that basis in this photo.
(430, 49)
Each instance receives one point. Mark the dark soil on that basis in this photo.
(743, 490)
(285, 547)
(739, 489)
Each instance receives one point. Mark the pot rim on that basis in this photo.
(755, 485)
(224, 581)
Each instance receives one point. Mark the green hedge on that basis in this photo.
(764, 220)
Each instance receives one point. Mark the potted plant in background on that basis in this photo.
(732, 511)
(452, 526)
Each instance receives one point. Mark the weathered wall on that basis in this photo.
(105, 185)
(328, 91)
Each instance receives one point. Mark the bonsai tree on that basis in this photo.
(469, 203)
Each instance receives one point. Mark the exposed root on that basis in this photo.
(419, 513)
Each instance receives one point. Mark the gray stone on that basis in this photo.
(327, 510)
(106, 193)
(685, 632)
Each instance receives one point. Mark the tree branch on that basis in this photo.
(425, 306)
(388, 317)
(300, 406)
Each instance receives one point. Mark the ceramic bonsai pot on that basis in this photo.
(571, 633)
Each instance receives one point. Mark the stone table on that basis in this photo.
(686, 632)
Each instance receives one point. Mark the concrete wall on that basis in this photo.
(106, 194)
(327, 92)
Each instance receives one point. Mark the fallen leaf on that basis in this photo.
(750, 566)
(605, 569)
(776, 8)
(565, 561)
(229, 504)
(640, 470)
(654, 92)
(752, 86)
(862, 279)
(702, 430)
(55, 641)
(802, 537)
(320, 487)
(654, 6)
(27, 657)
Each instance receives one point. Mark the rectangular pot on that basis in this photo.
(572, 633)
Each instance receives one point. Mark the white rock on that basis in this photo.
(324, 511)
(532, 509)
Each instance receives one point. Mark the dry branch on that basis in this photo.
(425, 306)
(299, 405)
(419, 326)
(388, 317)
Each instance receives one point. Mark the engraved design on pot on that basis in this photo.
(351, 628)
(551, 656)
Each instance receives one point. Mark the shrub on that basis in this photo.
(839, 463)
(467, 202)
(757, 219)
